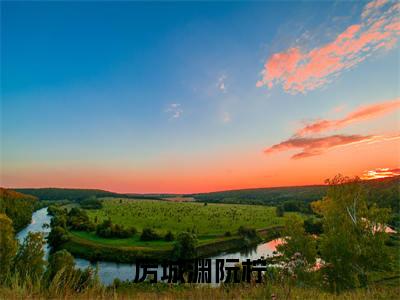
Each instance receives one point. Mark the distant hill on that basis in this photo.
(265, 196)
(379, 189)
(17, 206)
(76, 195)
(384, 191)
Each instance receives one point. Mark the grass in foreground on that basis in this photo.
(163, 291)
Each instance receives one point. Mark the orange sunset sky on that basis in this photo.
(196, 97)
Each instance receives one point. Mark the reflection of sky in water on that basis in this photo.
(108, 271)
(39, 218)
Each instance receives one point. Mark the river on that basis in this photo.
(108, 271)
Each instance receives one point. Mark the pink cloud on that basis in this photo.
(311, 146)
(300, 71)
(362, 113)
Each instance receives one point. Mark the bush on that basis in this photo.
(149, 234)
(57, 236)
(313, 226)
(280, 211)
(108, 230)
(247, 232)
(91, 203)
(79, 220)
(228, 233)
(185, 246)
(169, 236)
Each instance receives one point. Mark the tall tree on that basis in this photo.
(8, 246)
(29, 262)
(353, 242)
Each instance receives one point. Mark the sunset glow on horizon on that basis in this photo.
(189, 97)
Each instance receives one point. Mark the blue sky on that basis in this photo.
(128, 88)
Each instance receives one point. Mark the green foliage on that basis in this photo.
(59, 220)
(8, 247)
(18, 207)
(148, 234)
(57, 236)
(60, 261)
(109, 230)
(29, 261)
(298, 241)
(266, 196)
(76, 195)
(247, 232)
(169, 236)
(185, 246)
(91, 203)
(280, 211)
(79, 220)
(353, 242)
(385, 192)
(313, 225)
(79, 195)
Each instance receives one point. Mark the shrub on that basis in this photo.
(108, 230)
(57, 236)
(79, 220)
(169, 236)
(149, 234)
(185, 246)
(91, 203)
(247, 232)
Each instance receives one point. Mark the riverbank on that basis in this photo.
(94, 251)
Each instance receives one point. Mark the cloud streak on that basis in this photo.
(361, 114)
(301, 71)
(312, 146)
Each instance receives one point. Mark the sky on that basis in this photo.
(187, 97)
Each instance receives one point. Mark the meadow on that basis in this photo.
(202, 219)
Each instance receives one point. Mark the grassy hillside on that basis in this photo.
(17, 206)
(162, 216)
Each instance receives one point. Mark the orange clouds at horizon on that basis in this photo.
(206, 174)
(380, 173)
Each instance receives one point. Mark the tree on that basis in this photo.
(8, 246)
(298, 241)
(57, 236)
(313, 225)
(169, 236)
(29, 262)
(149, 234)
(185, 246)
(280, 211)
(60, 261)
(353, 242)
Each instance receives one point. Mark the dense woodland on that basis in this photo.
(17, 206)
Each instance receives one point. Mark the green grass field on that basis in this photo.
(205, 220)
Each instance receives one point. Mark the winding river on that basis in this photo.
(108, 271)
